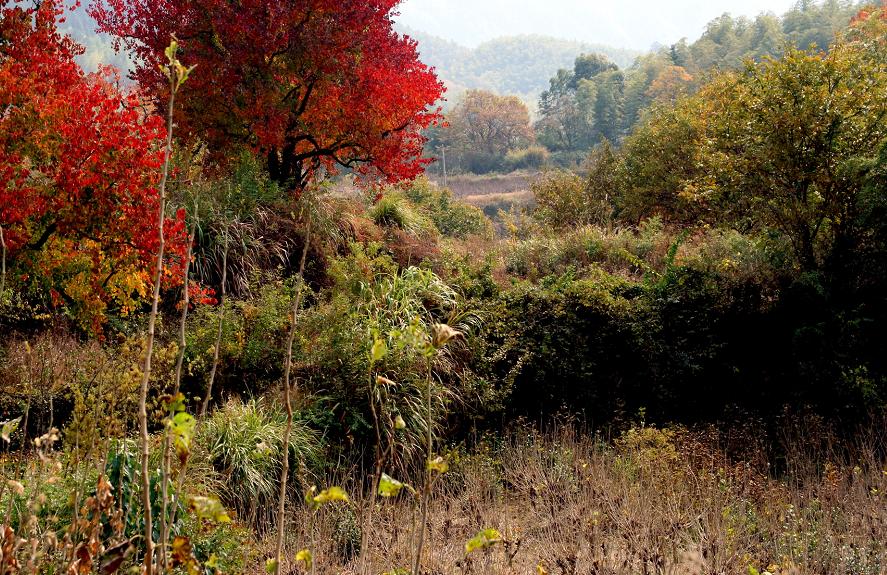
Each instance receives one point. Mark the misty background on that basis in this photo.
(637, 25)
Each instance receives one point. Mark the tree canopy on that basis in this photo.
(309, 84)
(590, 102)
(785, 144)
(490, 125)
(78, 172)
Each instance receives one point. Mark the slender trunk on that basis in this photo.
(167, 464)
(2, 264)
(215, 366)
(284, 473)
(426, 493)
(149, 348)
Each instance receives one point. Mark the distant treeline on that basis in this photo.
(597, 97)
(514, 65)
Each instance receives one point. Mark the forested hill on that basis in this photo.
(514, 65)
(595, 98)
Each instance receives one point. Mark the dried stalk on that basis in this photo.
(215, 366)
(284, 473)
(2, 263)
(167, 463)
(429, 479)
(176, 75)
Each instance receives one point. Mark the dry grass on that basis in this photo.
(500, 200)
(474, 185)
(653, 501)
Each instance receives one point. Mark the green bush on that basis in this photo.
(532, 158)
(451, 217)
(621, 251)
(393, 210)
(566, 200)
(254, 331)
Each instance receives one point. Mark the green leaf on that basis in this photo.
(390, 487)
(7, 428)
(483, 540)
(175, 403)
(209, 508)
(182, 427)
(379, 350)
(212, 562)
(270, 565)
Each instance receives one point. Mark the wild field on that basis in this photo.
(241, 332)
(475, 186)
(566, 500)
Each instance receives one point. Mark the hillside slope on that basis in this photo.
(516, 65)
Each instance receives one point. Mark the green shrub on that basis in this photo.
(254, 331)
(451, 217)
(373, 300)
(532, 158)
(393, 210)
(621, 251)
(566, 200)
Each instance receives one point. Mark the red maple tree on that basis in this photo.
(79, 162)
(309, 84)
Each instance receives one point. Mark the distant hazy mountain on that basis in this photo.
(518, 65)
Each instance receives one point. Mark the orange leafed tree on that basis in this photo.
(79, 162)
(491, 123)
(308, 84)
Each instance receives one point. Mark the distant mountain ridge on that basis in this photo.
(513, 65)
(516, 65)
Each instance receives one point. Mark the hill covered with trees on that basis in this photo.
(597, 98)
(517, 66)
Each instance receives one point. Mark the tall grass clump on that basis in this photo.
(395, 211)
(244, 443)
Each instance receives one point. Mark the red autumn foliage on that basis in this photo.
(309, 84)
(865, 13)
(79, 164)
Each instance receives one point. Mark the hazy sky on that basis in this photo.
(620, 23)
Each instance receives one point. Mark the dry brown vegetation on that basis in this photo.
(654, 501)
(481, 185)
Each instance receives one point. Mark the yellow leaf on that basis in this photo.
(390, 487)
(438, 464)
(483, 540)
(305, 556)
(330, 495)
